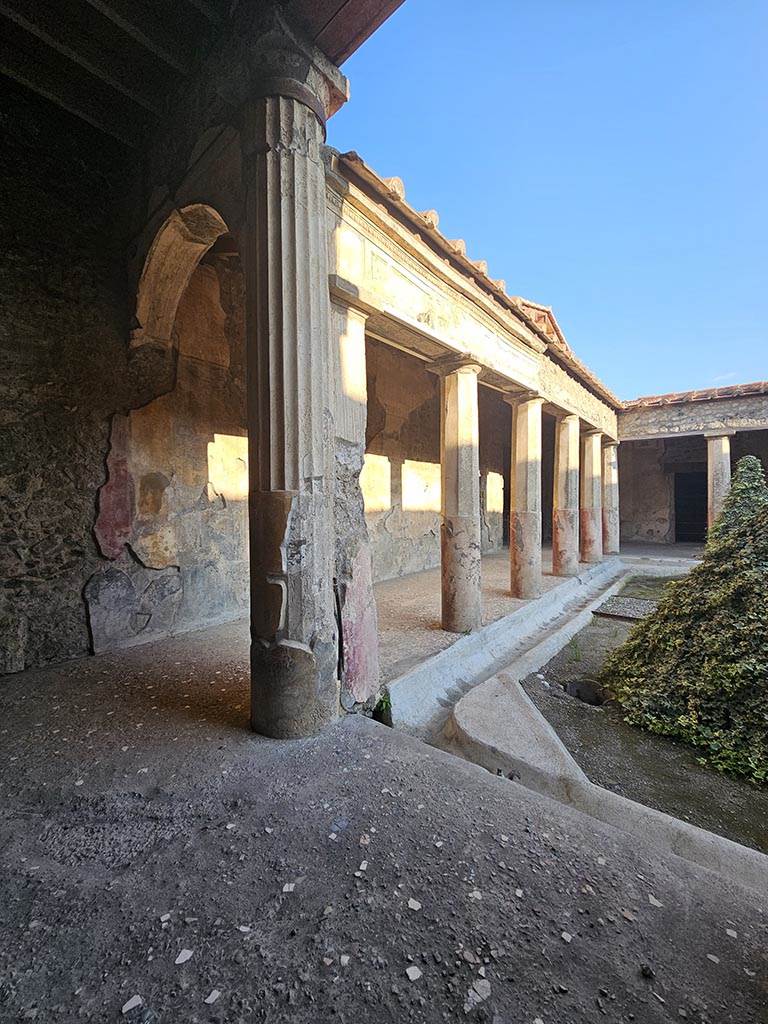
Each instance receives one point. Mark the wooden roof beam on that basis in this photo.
(69, 39)
(140, 21)
(51, 76)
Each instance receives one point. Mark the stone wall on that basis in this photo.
(63, 326)
(747, 413)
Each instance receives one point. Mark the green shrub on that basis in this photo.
(697, 667)
(747, 494)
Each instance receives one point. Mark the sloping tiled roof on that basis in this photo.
(759, 387)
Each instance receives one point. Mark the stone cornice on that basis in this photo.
(354, 206)
(539, 319)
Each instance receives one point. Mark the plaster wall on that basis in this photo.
(750, 442)
(647, 479)
(645, 493)
(400, 479)
(495, 417)
(647, 484)
(172, 520)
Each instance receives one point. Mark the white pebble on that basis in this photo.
(132, 1003)
(414, 904)
(413, 973)
(183, 956)
(214, 995)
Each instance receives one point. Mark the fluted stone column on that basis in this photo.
(525, 497)
(590, 506)
(290, 88)
(718, 471)
(611, 498)
(460, 498)
(565, 502)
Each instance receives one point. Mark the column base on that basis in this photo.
(525, 554)
(591, 535)
(462, 605)
(290, 698)
(565, 542)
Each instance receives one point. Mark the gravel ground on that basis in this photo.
(155, 853)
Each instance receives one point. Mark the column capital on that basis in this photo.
(272, 58)
(349, 307)
(519, 397)
(610, 442)
(592, 432)
(711, 435)
(454, 364)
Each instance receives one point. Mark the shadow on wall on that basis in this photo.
(172, 515)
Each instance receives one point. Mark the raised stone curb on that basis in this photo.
(421, 699)
(500, 728)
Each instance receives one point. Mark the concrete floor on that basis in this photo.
(139, 819)
(409, 611)
(409, 606)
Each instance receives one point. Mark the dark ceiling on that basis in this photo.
(111, 62)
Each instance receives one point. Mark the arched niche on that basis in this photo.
(178, 247)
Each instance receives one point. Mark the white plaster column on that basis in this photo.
(590, 505)
(354, 570)
(460, 500)
(718, 471)
(289, 89)
(610, 497)
(565, 499)
(525, 497)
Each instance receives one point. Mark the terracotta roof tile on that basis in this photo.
(759, 387)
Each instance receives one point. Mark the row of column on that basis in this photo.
(585, 508)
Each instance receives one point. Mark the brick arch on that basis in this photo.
(178, 247)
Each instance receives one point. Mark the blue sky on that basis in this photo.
(607, 159)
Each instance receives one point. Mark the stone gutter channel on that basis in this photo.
(469, 700)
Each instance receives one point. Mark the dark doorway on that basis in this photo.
(690, 507)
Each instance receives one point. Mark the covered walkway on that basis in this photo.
(409, 606)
